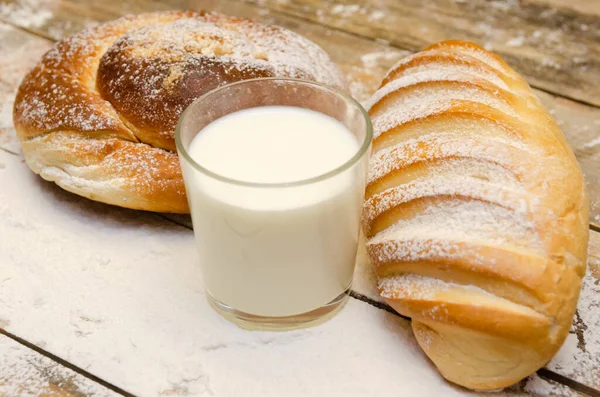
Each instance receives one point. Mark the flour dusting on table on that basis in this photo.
(119, 293)
(579, 357)
(20, 51)
(25, 373)
(364, 79)
(27, 13)
(539, 387)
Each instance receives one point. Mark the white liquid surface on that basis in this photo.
(275, 251)
(273, 144)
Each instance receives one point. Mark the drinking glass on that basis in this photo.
(289, 261)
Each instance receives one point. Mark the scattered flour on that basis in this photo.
(26, 373)
(347, 10)
(28, 13)
(60, 29)
(376, 59)
(358, 89)
(594, 142)
(188, 381)
(516, 41)
(364, 79)
(550, 62)
(499, 26)
(20, 52)
(134, 312)
(376, 15)
(539, 387)
(505, 5)
(579, 357)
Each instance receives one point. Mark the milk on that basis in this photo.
(275, 251)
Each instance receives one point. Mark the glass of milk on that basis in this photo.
(275, 175)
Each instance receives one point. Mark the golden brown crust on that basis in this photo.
(124, 84)
(476, 214)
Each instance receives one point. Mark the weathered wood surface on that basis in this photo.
(117, 293)
(19, 53)
(24, 372)
(556, 46)
(545, 53)
(579, 357)
(363, 60)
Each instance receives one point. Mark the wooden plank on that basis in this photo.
(118, 293)
(363, 61)
(91, 274)
(579, 358)
(581, 126)
(24, 372)
(556, 48)
(357, 61)
(19, 53)
(586, 7)
(541, 387)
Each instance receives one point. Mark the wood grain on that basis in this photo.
(24, 372)
(19, 53)
(585, 7)
(581, 126)
(134, 312)
(579, 358)
(364, 61)
(557, 47)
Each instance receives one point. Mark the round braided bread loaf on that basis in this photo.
(97, 114)
(476, 214)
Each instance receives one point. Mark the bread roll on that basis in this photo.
(97, 114)
(476, 214)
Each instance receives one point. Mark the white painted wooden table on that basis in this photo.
(97, 300)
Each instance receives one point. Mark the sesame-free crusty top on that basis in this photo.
(476, 214)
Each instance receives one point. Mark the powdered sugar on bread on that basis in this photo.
(102, 105)
(474, 214)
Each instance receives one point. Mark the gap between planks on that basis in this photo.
(543, 373)
(413, 25)
(579, 121)
(403, 47)
(406, 48)
(66, 364)
(9, 151)
(558, 378)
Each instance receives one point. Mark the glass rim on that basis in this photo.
(321, 177)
